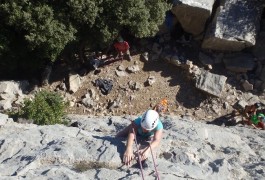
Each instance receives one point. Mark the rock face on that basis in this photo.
(193, 14)
(189, 150)
(234, 26)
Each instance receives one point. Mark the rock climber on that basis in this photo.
(147, 126)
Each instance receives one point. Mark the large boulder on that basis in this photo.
(211, 83)
(234, 26)
(193, 14)
(239, 62)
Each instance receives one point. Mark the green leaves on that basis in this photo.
(140, 18)
(40, 29)
(83, 11)
(36, 23)
(46, 108)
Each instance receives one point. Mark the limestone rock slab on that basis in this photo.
(210, 83)
(234, 26)
(189, 150)
(193, 14)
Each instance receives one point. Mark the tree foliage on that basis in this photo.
(37, 26)
(140, 17)
(45, 109)
(41, 29)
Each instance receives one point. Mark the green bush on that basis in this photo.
(45, 109)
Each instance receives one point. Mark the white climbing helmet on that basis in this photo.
(149, 120)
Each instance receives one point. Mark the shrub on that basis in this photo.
(45, 109)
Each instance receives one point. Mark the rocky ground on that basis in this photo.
(133, 93)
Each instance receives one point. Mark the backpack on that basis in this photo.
(104, 85)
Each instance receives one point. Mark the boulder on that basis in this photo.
(175, 60)
(234, 26)
(12, 92)
(74, 82)
(239, 62)
(247, 86)
(193, 15)
(13, 87)
(88, 102)
(133, 69)
(210, 83)
(120, 73)
(151, 80)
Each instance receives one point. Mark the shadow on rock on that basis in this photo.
(227, 120)
(114, 141)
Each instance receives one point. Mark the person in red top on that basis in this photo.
(122, 47)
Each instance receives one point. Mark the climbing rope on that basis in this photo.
(138, 153)
(157, 175)
(136, 143)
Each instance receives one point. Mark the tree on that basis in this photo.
(34, 31)
(140, 17)
(37, 26)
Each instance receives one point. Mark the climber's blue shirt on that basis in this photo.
(137, 122)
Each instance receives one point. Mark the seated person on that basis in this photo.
(122, 47)
(251, 110)
(257, 121)
(96, 61)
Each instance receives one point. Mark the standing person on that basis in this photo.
(122, 47)
(146, 126)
